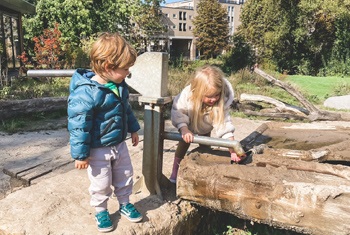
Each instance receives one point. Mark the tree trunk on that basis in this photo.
(314, 113)
(306, 197)
(280, 106)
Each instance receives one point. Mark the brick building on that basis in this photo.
(179, 40)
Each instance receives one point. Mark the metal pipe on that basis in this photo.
(205, 140)
(50, 72)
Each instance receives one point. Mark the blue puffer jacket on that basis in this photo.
(96, 116)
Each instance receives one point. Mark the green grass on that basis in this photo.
(251, 83)
(320, 88)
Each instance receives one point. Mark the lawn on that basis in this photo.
(321, 87)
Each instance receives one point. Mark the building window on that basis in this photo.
(180, 15)
(184, 27)
(190, 17)
(180, 26)
(174, 26)
(189, 27)
(184, 16)
(167, 15)
(174, 16)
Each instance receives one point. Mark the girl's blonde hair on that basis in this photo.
(111, 51)
(205, 79)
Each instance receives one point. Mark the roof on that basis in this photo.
(18, 6)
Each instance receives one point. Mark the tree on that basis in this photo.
(240, 56)
(147, 19)
(81, 20)
(296, 36)
(211, 28)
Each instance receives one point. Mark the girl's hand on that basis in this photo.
(186, 134)
(134, 139)
(81, 164)
(235, 157)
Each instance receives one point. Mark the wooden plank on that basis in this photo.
(18, 167)
(33, 167)
(303, 200)
(14, 168)
(43, 169)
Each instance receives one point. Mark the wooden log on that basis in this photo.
(13, 108)
(281, 195)
(271, 160)
(279, 106)
(318, 155)
(275, 115)
(315, 113)
(318, 142)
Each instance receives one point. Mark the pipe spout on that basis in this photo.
(50, 72)
(205, 140)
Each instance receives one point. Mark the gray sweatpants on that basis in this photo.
(110, 166)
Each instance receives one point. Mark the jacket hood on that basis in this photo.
(81, 77)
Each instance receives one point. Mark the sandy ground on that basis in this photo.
(54, 200)
(61, 196)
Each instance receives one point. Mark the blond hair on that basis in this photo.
(205, 79)
(111, 51)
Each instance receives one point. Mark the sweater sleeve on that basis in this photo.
(179, 110)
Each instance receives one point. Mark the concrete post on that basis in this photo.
(150, 74)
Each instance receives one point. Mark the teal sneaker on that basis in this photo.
(130, 212)
(104, 223)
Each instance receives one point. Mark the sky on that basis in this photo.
(170, 1)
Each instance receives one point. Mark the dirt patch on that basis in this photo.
(24, 145)
(303, 136)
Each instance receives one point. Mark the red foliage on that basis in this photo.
(48, 52)
(48, 49)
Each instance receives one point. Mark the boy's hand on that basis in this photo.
(186, 134)
(81, 164)
(134, 139)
